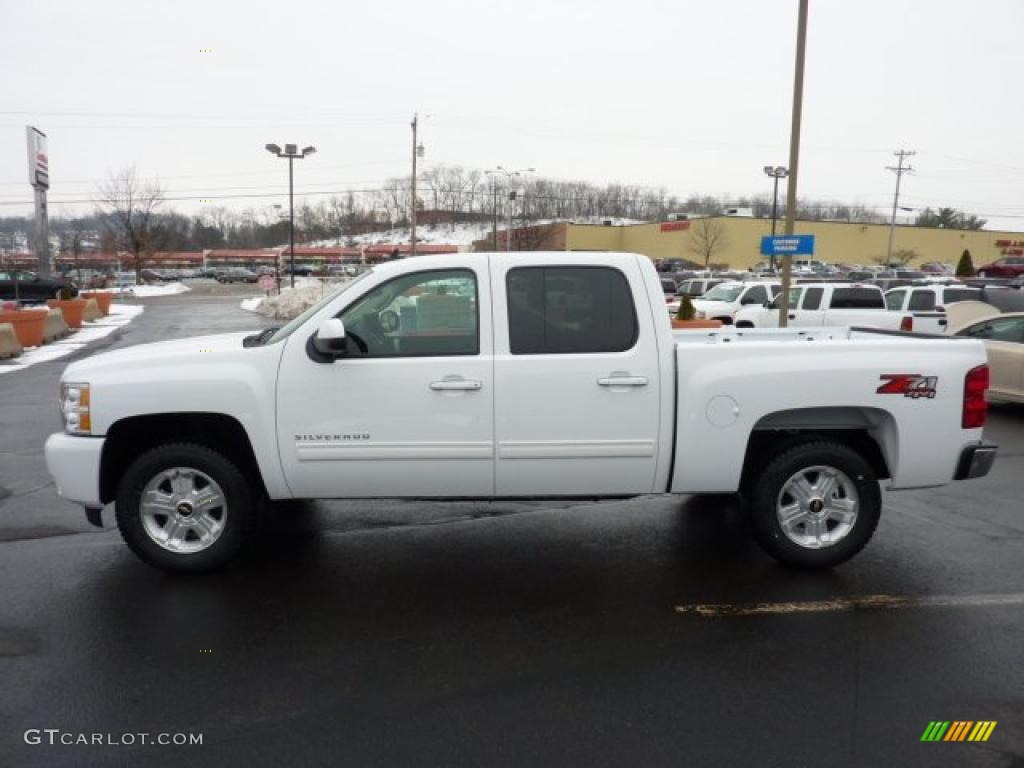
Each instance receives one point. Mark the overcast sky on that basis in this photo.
(690, 96)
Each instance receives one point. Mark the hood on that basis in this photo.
(703, 305)
(195, 350)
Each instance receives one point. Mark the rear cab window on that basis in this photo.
(857, 298)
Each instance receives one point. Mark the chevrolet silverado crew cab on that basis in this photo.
(818, 305)
(484, 376)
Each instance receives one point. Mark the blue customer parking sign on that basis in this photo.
(792, 245)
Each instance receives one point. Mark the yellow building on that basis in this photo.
(739, 241)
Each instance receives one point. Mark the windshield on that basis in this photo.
(727, 293)
(288, 329)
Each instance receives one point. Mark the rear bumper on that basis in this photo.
(975, 461)
(74, 464)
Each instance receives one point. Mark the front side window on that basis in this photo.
(756, 295)
(569, 310)
(1000, 329)
(424, 314)
(921, 301)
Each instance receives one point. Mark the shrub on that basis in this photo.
(965, 267)
(686, 310)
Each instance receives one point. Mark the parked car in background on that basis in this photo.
(1011, 266)
(669, 286)
(1004, 342)
(153, 276)
(937, 268)
(237, 275)
(929, 297)
(697, 286)
(207, 272)
(86, 278)
(816, 305)
(724, 300)
(125, 278)
(30, 288)
(860, 275)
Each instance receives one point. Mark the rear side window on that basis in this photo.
(921, 301)
(894, 300)
(812, 298)
(569, 310)
(857, 298)
(960, 294)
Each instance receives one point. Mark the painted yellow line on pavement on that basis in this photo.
(866, 602)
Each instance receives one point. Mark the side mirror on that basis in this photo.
(330, 338)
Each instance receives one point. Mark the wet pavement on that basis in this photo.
(411, 633)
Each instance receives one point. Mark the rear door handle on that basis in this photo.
(792, 317)
(456, 384)
(622, 381)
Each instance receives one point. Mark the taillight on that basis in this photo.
(907, 323)
(975, 406)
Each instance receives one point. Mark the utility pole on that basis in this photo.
(412, 238)
(899, 170)
(794, 158)
(494, 230)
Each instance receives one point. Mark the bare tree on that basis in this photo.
(128, 208)
(707, 237)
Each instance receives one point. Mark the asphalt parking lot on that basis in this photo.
(401, 633)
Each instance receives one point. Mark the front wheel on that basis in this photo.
(816, 505)
(185, 508)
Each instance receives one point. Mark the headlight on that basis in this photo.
(74, 408)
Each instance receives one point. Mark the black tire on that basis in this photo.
(744, 324)
(765, 493)
(243, 506)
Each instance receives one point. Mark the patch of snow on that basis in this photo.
(120, 314)
(147, 291)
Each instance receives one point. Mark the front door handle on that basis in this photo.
(456, 384)
(622, 381)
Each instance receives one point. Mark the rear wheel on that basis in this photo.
(185, 508)
(815, 505)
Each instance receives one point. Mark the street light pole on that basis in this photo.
(512, 196)
(290, 151)
(775, 173)
(417, 151)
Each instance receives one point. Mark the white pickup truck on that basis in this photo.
(822, 305)
(481, 376)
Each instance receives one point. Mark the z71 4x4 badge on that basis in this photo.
(908, 384)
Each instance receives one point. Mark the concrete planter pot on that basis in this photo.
(695, 324)
(103, 299)
(28, 325)
(72, 309)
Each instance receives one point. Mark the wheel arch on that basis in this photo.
(128, 437)
(872, 432)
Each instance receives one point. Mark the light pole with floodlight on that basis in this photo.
(776, 173)
(509, 175)
(291, 151)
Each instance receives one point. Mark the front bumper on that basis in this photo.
(74, 464)
(975, 461)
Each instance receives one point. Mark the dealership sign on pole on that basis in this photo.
(39, 178)
(787, 245)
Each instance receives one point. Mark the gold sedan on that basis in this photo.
(1004, 340)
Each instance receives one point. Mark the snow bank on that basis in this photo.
(146, 291)
(120, 314)
(292, 302)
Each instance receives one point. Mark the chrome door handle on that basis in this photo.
(456, 384)
(622, 381)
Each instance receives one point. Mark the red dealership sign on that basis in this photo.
(674, 226)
